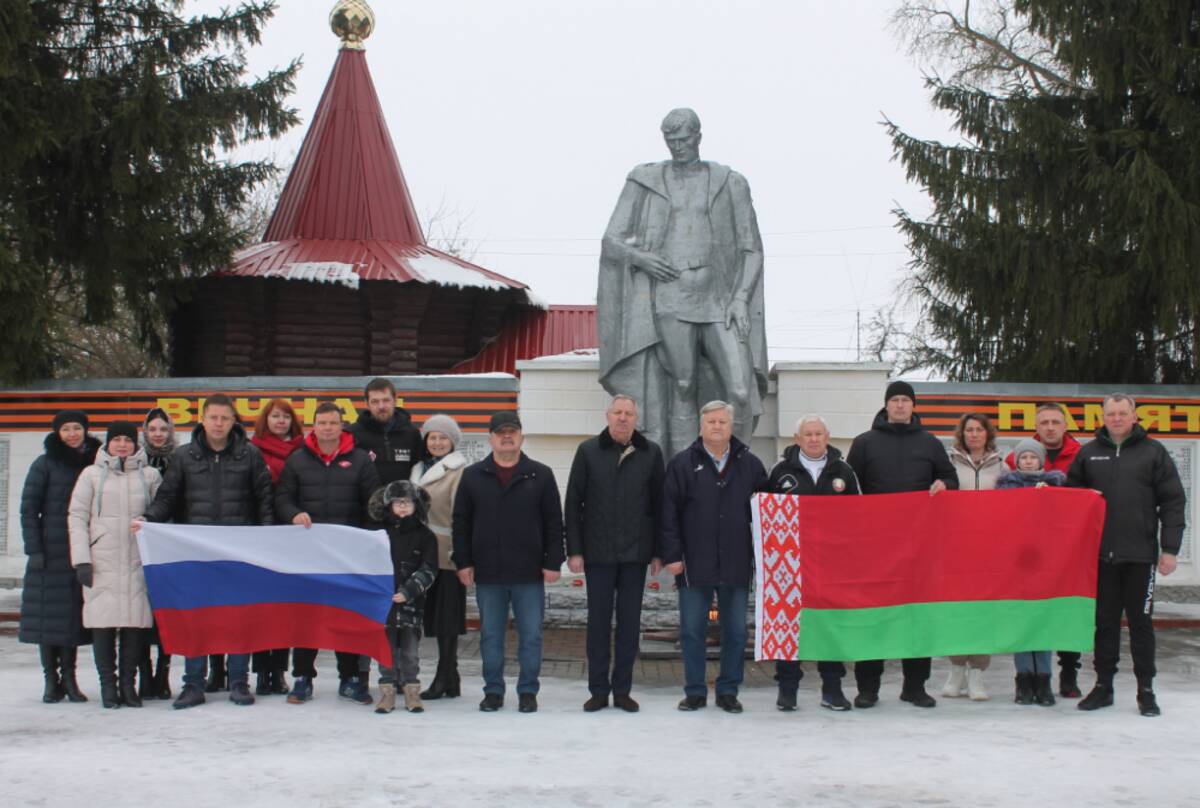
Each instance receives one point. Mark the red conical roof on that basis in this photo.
(347, 182)
(345, 214)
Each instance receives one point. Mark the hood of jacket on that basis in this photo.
(957, 455)
(400, 419)
(82, 457)
(791, 455)
(134, 462)
(1138, 433)
(345, 444)
(168, 447)
(437, 470)
(882, 424)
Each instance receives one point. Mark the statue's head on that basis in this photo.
(681, 130)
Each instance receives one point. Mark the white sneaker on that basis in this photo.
(956, 683)
(975, 688)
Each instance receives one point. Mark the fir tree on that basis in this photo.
(1064, 242)
(116, 189)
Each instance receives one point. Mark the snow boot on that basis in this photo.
(239, 694)
(162, 677)
(1043, 691)
(262, 684)
(412, 698)
(387, 698)
(104, 649)
(130, 655)
(786, 700)
(146, 669)
(1101, 696)
(975, 689)
(53, 692)
(278, 683)
(218, 679)
(956, 682)
(190, 696)
(68, 655)
(1147, 704)
(1024, 689)
(1068, 683)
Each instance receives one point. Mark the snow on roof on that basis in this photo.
(435, 269)
(316, 272)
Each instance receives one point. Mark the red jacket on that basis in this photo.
(275, 450)
(1062, 463)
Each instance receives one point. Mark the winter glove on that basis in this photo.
(37, 561)
(84, 573)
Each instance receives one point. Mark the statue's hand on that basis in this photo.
(737, 317)
(654, 265)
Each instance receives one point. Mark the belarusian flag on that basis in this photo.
(909, 575)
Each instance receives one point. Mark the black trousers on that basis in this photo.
(868, 673)
(789, 673)
(610, 585)
(304, 663)
(1128, 588)
(273, 660)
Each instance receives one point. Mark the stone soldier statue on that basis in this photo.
(680, 299)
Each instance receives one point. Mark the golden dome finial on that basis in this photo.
(352, 21)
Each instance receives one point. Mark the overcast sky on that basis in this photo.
(526, 115)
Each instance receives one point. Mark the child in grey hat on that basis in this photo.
(1033, 667)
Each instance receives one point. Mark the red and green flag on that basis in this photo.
(892, 576)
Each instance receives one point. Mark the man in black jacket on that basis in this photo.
(811, 467)
(1145, 513)
(897, 455)
(611, 514)
(329, 481)
(386, 433)
(218, 479)
(508, 543)
(708, 546)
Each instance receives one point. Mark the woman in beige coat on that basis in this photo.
(979, 467)
(107, 497)
(446, 601)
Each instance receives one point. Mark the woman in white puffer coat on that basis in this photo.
(107, 497)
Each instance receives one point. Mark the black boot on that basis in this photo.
(445, 681)
(218, 679)
(145, 669)
(1101, 696)
(1024, 688)
(1043, 693)
(162, 676)
(104, 649)
(278, 683)
(53, 693)
(262, 683)
(1068, 682)
(68, 656)
(131, 657)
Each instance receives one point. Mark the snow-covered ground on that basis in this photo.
(333, 753)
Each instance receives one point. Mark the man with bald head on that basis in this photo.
(680, 299)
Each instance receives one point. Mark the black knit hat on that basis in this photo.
(899, 389)
(69, 417)
(118, 428)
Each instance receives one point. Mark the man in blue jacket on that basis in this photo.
(708, 547)
(508, 543)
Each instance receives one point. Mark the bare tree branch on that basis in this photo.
(989, 48)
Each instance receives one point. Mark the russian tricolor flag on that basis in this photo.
(230, 590)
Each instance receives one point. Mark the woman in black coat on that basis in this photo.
(52, 600)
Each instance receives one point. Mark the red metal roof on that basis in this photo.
(346, 209)
(534, 333)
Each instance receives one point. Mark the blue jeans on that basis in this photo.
(694, 603)
(195, 669)
(528, 602)
(1032, 662)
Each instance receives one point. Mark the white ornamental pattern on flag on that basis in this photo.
(776, 575)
